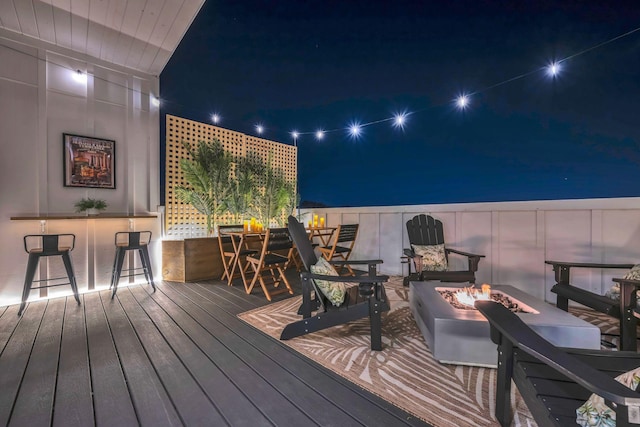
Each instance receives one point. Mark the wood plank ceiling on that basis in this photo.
(137, 34)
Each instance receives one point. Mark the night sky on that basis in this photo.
(309, 65)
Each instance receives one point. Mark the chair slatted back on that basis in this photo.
(302, 242)
(347, 233)
(425, 230)
(278, 239)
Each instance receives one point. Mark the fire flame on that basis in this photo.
(469, 295)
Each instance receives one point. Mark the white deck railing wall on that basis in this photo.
(515, 237)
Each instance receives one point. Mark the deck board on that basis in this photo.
(150, 400)
(187, 392)
(310, 373)
(178, 356)
(275, 407)
(14, 358)
(220, 387)
(74, 406)
(34, 403)
(111, 398)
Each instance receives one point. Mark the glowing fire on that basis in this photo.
(468, 296)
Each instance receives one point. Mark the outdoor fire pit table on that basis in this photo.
(461, 337)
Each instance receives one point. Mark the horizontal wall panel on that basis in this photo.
(20, 63)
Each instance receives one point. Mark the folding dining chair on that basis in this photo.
(233, 254)
(342, 245)
(270, 264)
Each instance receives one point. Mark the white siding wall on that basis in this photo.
(39, 101)
(515, 237)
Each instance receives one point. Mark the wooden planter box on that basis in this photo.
(190, 260)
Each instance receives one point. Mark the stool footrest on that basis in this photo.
(132, 275)
(49, 286)
(49, 280)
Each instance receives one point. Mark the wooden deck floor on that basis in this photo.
(179, 356)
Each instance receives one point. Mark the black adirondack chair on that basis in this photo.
(425, 230)
(554, 381)
(623, 310)
(368, 299)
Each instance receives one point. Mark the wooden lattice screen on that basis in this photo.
(182, 220)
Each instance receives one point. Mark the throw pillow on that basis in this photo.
(594, 412)
(334, 291)
(614, 292)
(433, 257)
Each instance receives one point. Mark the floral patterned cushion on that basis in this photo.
(594, 412)
(433, 257)
(334, 291)
(614, 292)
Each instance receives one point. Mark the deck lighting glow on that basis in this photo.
(320, 134)
(79, 77)
(215, 118)
(462, 102)
(259, 129)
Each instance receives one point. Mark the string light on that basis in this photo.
(355, 130)
(155, 101)
(399, 120)
(462, 102)
(553, 69)
(259, 129)
(215, 118)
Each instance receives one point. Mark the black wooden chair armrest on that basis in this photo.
(347, 279)
(510, 326)
(467, 254)
(630, 281)
(586, 264)
(409, 252)
(473, 259)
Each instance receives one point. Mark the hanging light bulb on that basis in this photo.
(319, 134)
(259, 129)
(355, 130)
(215, 118)
(462, 102)
(400, 120)
(155, 101)
(553, 69)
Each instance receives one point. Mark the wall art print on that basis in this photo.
(89, 162)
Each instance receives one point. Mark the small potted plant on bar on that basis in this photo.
(90, 206)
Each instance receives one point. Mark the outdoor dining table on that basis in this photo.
(240, 240)
(322, 233)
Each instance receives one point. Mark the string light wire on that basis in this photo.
(355, 129)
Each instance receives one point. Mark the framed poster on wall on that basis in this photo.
(89, 162)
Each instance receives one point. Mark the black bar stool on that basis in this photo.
(128, 241)
(42, 245)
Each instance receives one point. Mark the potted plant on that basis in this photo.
(90, 206)
(207, 173)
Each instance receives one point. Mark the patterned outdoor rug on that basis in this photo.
(404, 372)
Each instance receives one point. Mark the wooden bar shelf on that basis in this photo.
(76, 216)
